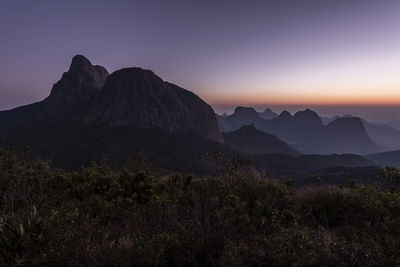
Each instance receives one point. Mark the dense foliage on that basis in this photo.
(108, 216)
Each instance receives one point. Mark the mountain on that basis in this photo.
(394, 124)
(349, 135)
(391, 158)
(223, 123)
(268, 114)
(306, 132)
(81, 82)
(128, 97)
(137, 97)
(384, 135)
(387, 137)
(250, 140)
(326, 120)
(307, 118)
(90, 115)
(241, 116)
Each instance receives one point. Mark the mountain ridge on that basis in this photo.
(250, 140)
(306, 132)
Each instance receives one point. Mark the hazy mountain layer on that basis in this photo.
(250, 140)
(306, 132)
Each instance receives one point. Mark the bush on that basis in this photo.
(103, 216)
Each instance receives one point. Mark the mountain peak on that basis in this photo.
(268, 114)
(138, 97)
(306, 113)
(77, 85)
(80, 62)
(308, 116)
(248, 111)
(285, 114)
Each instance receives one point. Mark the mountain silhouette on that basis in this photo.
(128, 97)
(350, 134)
(90, 115)
(384, 135)
(268, 114)
(306, 132)
(137, 97)
(241, 116)
(307, 118)
(81, 82)
(250, 140)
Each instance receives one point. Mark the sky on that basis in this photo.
(336, 56)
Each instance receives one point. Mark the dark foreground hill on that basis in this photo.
(72, 145)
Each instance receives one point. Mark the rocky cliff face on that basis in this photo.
(137, 97)
(129, 97)
(81, 82)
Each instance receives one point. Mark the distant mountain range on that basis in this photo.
(92, 115)
(306, 132)
(384, 137)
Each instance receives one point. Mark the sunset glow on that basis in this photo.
(267, 53)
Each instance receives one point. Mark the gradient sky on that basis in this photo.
(301, 53)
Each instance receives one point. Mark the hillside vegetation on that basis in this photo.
(107, 216)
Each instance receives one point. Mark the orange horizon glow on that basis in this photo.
(327, 100)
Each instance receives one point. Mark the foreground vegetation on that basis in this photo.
(103, 216)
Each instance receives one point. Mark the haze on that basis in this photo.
(336, 56)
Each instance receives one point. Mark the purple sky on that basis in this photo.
(261, 53)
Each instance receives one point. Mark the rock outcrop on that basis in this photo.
(81, 82)
(137, 97)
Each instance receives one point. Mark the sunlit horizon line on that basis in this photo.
(303, 101)
(322, 104)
